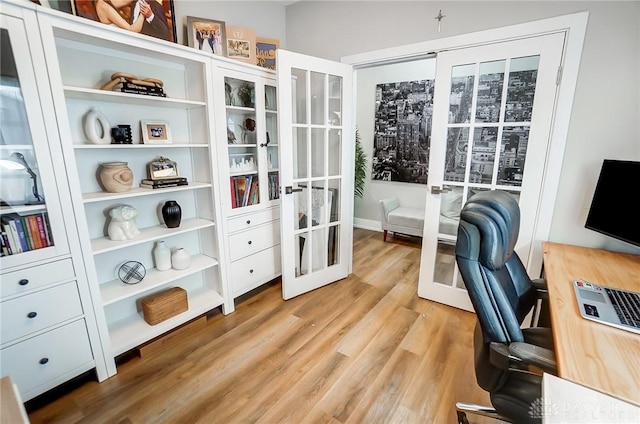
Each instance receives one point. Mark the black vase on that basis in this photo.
(172, 214)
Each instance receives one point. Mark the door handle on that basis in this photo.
(289, 190)
(439, 190)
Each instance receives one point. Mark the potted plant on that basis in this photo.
(360, 173)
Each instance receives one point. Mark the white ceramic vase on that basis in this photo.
(162, 256)
(180, 259)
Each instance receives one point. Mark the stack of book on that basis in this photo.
(129, 87)
(23, 233)
(164, 183)
(244, 191)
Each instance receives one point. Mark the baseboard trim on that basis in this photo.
(367, 224)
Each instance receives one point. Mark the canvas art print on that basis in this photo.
(266, 52)
(154, 18)
(402, 136)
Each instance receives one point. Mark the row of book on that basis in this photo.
(164, 183)
(24, 233)
(244, 191)
(274, 186)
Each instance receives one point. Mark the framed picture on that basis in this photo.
(162, 168)
(241, 44)
(155, 132)
(207, 35)
(266, 52)
(155, 18)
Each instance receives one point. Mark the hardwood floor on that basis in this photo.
(363, 350)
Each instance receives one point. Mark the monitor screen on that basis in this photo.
(614, 209)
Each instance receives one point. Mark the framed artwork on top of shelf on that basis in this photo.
(266, 52)
(149, 17)
(207, 35)
(155, 132)
(241, 44)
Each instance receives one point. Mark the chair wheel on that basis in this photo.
(462, 417)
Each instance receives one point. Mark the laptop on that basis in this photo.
(609, 306)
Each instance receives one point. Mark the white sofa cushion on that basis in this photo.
(407, 217)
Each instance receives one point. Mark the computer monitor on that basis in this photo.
(614, 209)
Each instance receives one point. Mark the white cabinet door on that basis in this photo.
(316, 170)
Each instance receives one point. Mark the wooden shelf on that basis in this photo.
(132, 331)
(242, 109)
(105, 244)
(102, 196)
(115, 291)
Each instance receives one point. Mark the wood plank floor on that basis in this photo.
(363, 350)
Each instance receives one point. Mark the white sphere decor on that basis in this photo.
(180, 259)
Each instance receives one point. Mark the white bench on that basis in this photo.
(400, 219)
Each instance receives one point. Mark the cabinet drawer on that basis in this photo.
(252, 220)
(255, 269)
(247, 243)
(35, 277)
(49, 356)
(33, 312)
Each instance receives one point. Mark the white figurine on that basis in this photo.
(123, 223)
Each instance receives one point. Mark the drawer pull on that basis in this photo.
(250, 271)
(32, 314)
(23, 282)
(43, 361)
(248, 221)
(249, 241)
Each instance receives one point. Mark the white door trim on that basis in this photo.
(575, 27)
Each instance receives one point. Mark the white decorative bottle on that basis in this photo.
(162, 256)
(180, 259)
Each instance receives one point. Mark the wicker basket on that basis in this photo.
(163, 305)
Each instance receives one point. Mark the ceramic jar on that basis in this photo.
(115, 177)
(180, 259)
(162, 256)
(171, 214)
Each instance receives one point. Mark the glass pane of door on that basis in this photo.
(25, 218)
(242, 139)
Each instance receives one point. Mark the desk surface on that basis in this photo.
(592, 354)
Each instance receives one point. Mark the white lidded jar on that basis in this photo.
(180, 259)
(162, 256)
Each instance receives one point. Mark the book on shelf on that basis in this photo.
(25, 233)
(232, 182)
(164, 181)
(163, 185)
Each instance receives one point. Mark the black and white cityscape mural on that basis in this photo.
(402, 134)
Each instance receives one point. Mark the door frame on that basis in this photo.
(574, 26)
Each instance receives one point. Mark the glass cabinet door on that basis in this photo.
(31, 220)
(252, 141)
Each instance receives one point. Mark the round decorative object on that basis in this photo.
(96, 127)
(162, 256)
(131, 272)
(172, 214)
(180, 259)
(115, 177)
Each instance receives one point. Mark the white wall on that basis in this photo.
(267, 18)
(605, 117)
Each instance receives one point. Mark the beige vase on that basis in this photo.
(115, 177)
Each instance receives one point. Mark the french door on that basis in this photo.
(316, 171)
(493, 113)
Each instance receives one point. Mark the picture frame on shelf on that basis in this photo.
(241, 44)
(162, 169)
(266, 52)
(160, 22)
(155, 132)
(207, 35)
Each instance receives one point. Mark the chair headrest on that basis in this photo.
(496, 216)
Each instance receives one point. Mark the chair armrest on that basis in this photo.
(386, 206)
(536, 356)
(519, 355)
(540, 284)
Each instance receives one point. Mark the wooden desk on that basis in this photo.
(592, 354)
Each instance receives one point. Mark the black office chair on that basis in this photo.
(508, 359)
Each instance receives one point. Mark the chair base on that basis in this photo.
(485, 411)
